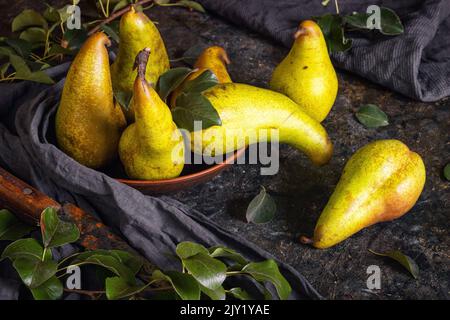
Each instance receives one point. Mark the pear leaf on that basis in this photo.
(191, 55)
(222, 252)
(112, 31)
(184, 284)
(407, 262)
(194, 5)
(55, 232)
(240, 294)
(391, 24)
(170, 80)
(22, 47)
(118, 288)
(120, 5)
(4, 68)
(188, 249)
(217, 294)
(209, 272)
(24, 248)
(34, 35)
(333, 32)
(11, 228)
(28, 18)
(129, 260)
(371, 116)
(34, 272)
(52, 289)
(195, 107)
(447, 172)
(51, 14)
(123, 98)
(262, 208)
(203, 82)
(267, 271)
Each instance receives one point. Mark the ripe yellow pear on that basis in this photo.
(249, 113)
(306, 75)
(152, 147)
(381, 182)
(88, 124)
(137, 32)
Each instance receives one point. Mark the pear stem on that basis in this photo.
(306, 240)
(141, 63)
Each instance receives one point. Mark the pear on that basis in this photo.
(306, 75)
(88, 124)
(213, 58)
(137, 32)
(151, 148)
(249, 113)
(381, 182)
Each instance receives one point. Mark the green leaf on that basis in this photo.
(391, 24)
(23, 248)
(191, 5)
(222, 252)
(129, 260)
(203, 82)
(447, 172)
(22, 47)
(55, 232)
(120, 5)
(332, 26)
(209, 272)
(184, 284)
(12, 228)
(111, 31)
(195, 107)
(118, 288)
(188, 249)
(357, 20)
(57, 49)
(171, 80)
(6, 52)
(217, 294)
(38, 76)
(371, 116)
(35, 272)
(267, 271)
(52, 289)
(34, 35)
(406, 261)
(123, 98)
(28, 18)
(109, 262)
(240, 294)
(51, 14)
(262, 208)
(23, 72)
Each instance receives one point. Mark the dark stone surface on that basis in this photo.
(301, 190)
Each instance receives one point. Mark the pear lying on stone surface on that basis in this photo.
(306, 75)
(381, 182)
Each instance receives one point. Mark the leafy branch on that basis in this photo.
(203, 270)
(41, 40)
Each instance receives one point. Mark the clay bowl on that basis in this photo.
(193, 174)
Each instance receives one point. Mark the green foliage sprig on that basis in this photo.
(41, 40)
(203, 271)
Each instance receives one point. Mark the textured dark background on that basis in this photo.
(301, 190)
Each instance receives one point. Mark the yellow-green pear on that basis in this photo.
(381, 182)
(88, 124)
(306, 75)
(250, 114)
(151, 148)
(137, 32)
